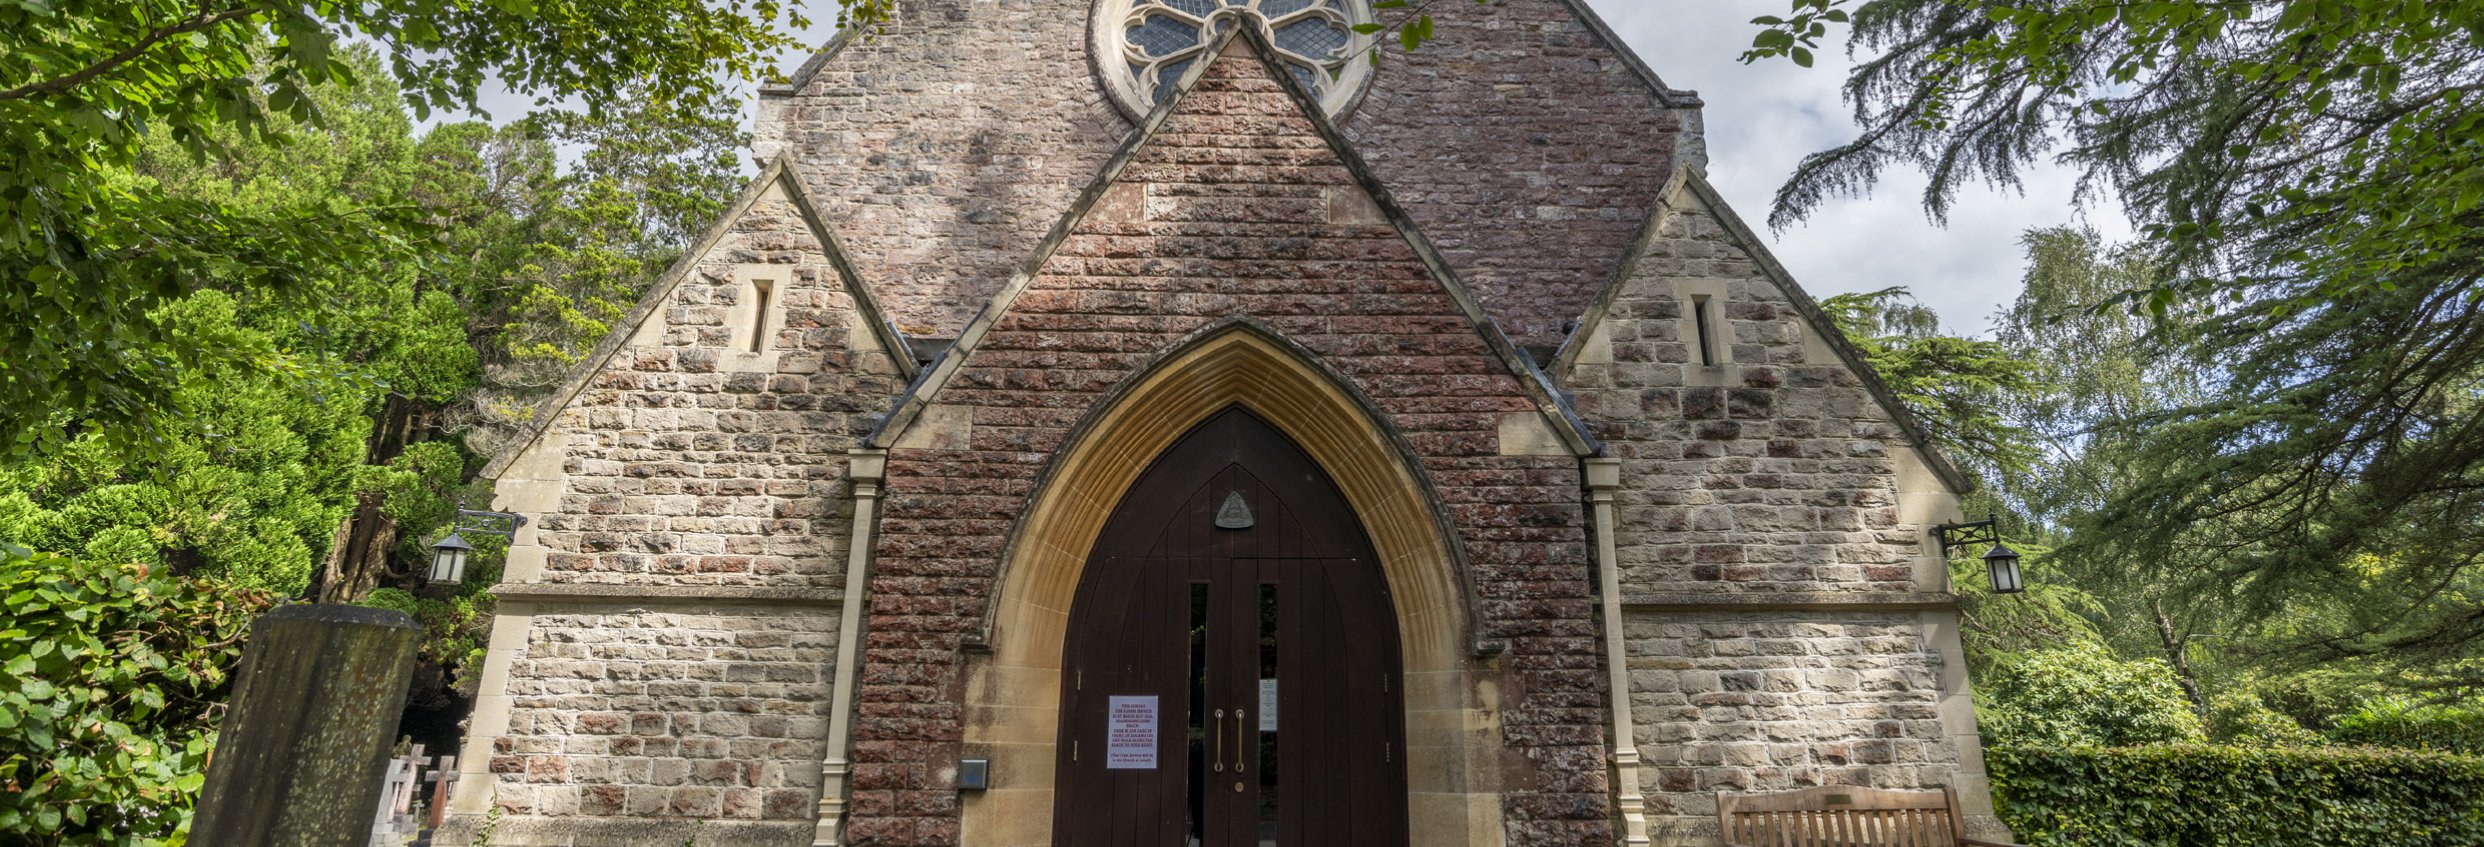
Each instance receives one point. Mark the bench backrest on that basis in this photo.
(1840, 816)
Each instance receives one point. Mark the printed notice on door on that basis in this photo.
(1267, 705)
(1130, 734)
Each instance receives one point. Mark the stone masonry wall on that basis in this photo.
(620, 702)
(1777, 472)
(1780, 700)
(948, 145)
(1529, 151)
(701, 712)
(690, 461)
(1767, 474)
(1235, 207)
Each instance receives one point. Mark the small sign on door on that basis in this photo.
(1267, 705)
(1130, 733)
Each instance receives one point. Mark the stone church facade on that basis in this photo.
(934, 497)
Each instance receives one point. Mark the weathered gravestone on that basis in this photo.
(302, 752)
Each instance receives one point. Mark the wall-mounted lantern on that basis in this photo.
(448, 555)
(2000, 562)
(448, 560)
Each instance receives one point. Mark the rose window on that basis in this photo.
(1148, 44)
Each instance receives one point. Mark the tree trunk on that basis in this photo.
(2174, 643)
(358, 552)
(355, 566)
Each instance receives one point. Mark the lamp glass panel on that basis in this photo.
(2005, 576)
(448, 564)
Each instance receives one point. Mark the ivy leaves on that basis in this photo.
(108, 675)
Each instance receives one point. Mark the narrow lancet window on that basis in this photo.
(761, 293)
(1706, 329)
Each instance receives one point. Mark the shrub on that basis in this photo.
(2402, 723)
(2244, 718)
(2082, 696)
(109, 680)
(2203, 796)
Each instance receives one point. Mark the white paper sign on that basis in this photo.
(1267, 705)
(1130, 733)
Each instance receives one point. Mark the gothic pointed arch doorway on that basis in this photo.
(1234, 673)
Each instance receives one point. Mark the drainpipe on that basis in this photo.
(865, 468)
(1603, 478)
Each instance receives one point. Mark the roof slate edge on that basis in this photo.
(1667, 96)
(1566, 358)
(801, 78)
(779, 170)
(1533, 381)
(1695, 181)
(892, 342)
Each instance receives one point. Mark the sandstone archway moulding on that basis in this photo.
(1013, 694)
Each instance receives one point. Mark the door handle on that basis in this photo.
(1220, 740)
(1240, 731)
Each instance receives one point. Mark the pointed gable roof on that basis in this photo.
(1246, 42)
(1689, 192)
(779, 174)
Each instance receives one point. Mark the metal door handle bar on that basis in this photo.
(1220, 740)
(1240, 730)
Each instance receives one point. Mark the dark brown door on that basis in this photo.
(1232, 664)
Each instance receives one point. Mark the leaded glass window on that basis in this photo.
(1146, 45)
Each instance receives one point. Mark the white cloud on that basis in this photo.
(1763, 118)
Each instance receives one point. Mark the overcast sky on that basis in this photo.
(1761, 120)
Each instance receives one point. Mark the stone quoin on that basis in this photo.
(1422, 456)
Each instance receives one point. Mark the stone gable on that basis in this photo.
(947, 145)
(695, 454)
(661, 649)
(1773, 469)
(1787, 620)
(1235, 205)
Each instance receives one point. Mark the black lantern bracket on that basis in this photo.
(1956, 535)
(503, 524)
(2000, 562)
(448, 555)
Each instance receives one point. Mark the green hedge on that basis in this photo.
(2206, 796)
(2398, 723)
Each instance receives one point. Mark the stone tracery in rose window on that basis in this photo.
(1149, 44)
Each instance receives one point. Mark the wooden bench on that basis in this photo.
(1844, 816)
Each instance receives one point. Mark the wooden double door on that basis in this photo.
(1231, 675)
